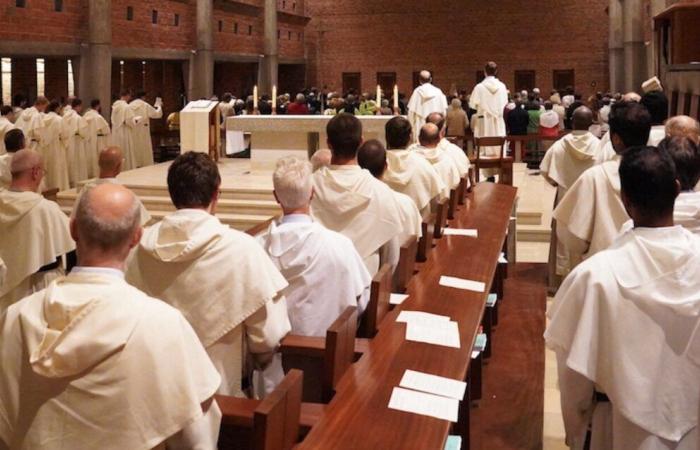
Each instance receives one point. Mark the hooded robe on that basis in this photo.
(412, 175)
(425, 100)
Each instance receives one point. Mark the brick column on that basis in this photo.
(635, 54)
(270, 62)
(616, 53)
(95, 77)
(202, 64)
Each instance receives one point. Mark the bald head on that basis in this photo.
(27, 170)
(110, 162)
(425, 77)
(372, 156)
(683, 126)
(582, 119)
(631, 97)
(429, 136)
(24, 161)
(438, 119)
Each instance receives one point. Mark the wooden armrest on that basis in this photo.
(237, 411)
(361, 346)
(311, 414)
(303, 345)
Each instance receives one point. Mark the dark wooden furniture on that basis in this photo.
(489, 162)
(407, 264)
(378, 305)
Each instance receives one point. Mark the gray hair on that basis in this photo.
(24, 160)
(292, 182)
(456, 103)
(107, 233)
(321, 158)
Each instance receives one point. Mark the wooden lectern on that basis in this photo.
(199, 128)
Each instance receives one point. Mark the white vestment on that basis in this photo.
(30, 121)
(52, 147)
(349, 200)
(223, 283)
(5, 170)
(324, 271)
(98, 138)
(145, 215)
(686, 212)
(443, 164)
(591, 213)
(607, 152)
(142, 132)
(409, 173)
(5, 126)
(123, 125)
(76, 132)
(656, 135)
(34, 232)
(489, 98)
(93, 363)
(615, 331)
(457, 154)
(425, 100)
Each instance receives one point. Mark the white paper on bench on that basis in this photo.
(502, 258)
(460, 232)
(436, 333)
(433, 384)
(475, 354)
(424, 404)
(421, 318)
(459, 283)
(397, 299)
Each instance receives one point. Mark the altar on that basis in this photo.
(273, 137)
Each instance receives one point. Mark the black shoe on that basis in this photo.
(491, 179)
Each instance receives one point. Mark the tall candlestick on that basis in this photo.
(255, 97)
(274, 97)
(379, 96)
(396, 96)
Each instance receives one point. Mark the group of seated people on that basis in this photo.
(84, 344)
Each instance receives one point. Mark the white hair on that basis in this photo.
(24, 160)
(105, 233)
(292, 182)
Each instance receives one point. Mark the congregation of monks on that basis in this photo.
(115, 336)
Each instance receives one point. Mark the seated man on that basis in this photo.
(324, 271)
(619, 346)
(428, 147)
(14, 142)
(686, 156)
(590, 215)
(407, 172)
(34, 232)
(92, 362)
(683, 126)
(347, 199)
(455, 152)
(219, 278)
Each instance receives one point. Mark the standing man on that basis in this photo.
(123, 124)
(98, 136)
(30, 121)
(76, 131)
(426, 99)
(144, 112)
(6, 124)
(52, 138)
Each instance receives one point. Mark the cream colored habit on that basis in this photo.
(52, 147)
(30, 121)
(5, 126)
(686, 212)
(3, 273)
(568, 158)
(123, 125)
(93, 363)
(142, 132)
(5, 172)
(426, 99)
(489, 98)
(223, 283)
(457, 154)
(33, 233)
(607, 152)
(443, 164)
(76, 132)
(411, 174)
(98, 138)
(619, 325)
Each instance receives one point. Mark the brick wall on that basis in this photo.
(141, 32)
(455, 39)
(236, 78)
(38, 21)
(24, 78)
(55, 78)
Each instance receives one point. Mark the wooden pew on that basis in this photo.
(425, 243)
(51, 194)
(440, 217)
(378, 305)
(452, 204)
(270, 424)
(489, 162)
(407, 264)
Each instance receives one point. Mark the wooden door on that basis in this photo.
(352, 81)
(525, 80)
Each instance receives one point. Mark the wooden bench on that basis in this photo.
(378, 306)
(407, 264)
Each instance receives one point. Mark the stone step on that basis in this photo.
(244, 193)
(531, 233)
(529, 218)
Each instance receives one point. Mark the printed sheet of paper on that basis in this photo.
(421, 318)
(397, 299)
(459, 283)
(433, 384)
(443, 333)
(424, 404)
(460, 232)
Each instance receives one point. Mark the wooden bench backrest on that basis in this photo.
(378, 305)
(276, 419)
(340, 350)
(407, 264)
(441, 217)
(490, 141)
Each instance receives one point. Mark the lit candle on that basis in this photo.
(255, 97)
(379, 95)
(274, 97)
(396, 96)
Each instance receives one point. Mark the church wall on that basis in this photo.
(232, 38)
(55, 78)
(141, 32)
(455, 38)
(24, 81)
(38, 21)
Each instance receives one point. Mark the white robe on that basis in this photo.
(123, 125)
(142, 132)
(5, 126)
(687, 211)
(349, 200)
(98, 138)
(92, 362)
(607, 152)
(409, 173)
(656, 135)
(30, 121)
(76, 132)
(52, 147)
(145, 215)
(324, 271)
(614, 330)
(425, 100)
(443, 164)
(489, 98)
(457, 154)
(590, 215)
(223, 283)
(5, 170)
(33, 233)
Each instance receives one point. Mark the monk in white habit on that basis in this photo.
(686, 157)
(93, 363)
(53, 137)
(683, 126)
(6, 124)
(30, 121)
(14, 141)
(142, 132)
(489, 98)
(98, 136)
(618, 342)
(313, 259)
(34, 232)
(455, 152)
(428, 148)
(219, 278)
(124, 123)
(591, 214)
(77, 133)
(349, 200)
(426, 99)
(408, 172)
(656, 103)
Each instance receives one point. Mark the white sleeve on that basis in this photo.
(576, 401)
(201, 434)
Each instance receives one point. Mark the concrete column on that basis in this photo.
(270, 63)
(202, 65)
(616, 56)
(95, 71)
(635, 53)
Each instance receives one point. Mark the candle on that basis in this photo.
(274, 97)
(255, 97)
(396, 96)
(379, 96)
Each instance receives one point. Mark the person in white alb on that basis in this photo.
(620, 322)
(219, 278)
(313, 259)
(30, 121)
(76, 133)
(426, 99)
(124, 122)
(93, 363)
(144, 113)
(686, 156)
(14, 142)
(455, 152)
(6, 119)
(51, 139)
(429, 148)
(98, 137)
